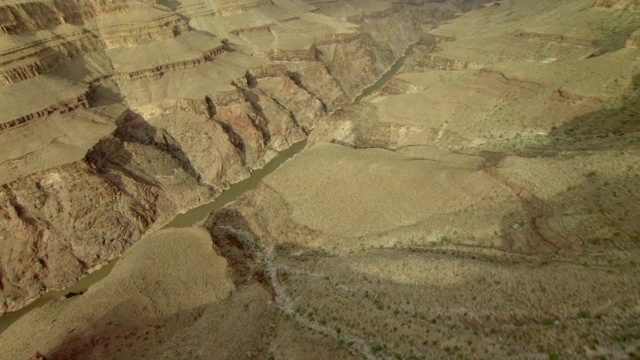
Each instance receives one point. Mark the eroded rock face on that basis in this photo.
(462, 208)
(147, 171)
(193, 112)
(138, 300)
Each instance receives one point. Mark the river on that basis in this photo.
(393, 70)
(186, 219)
(199, 213)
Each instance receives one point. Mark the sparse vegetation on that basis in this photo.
(609, 30)
(583, 314)
(636, 82)
(467, 231)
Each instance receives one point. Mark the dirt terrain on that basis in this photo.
(116, 116)
(480, 201)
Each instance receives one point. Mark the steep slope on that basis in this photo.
(141, 110)
(481, 203)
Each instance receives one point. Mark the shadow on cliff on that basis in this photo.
(104, 94)
(114, 162)
(171, 4)
(229, 328)
(68, 62)
(259, 121)
(122, 333)
(604, 129)
(602, 201)
(111, 158)
(234, 240)
(66, 59)
(134, 128)
(596, 214)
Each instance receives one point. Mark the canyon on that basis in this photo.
(413, 179)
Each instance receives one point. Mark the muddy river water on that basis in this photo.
(186, 219)
(199, 213)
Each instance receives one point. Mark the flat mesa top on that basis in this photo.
(188, 46)
(36, 94)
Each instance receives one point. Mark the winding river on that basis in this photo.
(199, 213)
(388, 75)
(186, 219)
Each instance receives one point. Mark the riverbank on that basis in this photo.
(199, 213)
(187, 219)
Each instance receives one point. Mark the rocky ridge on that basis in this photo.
(482, 203)
(494, 217)
(157, 148)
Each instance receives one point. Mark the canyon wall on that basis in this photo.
(617, 5)
(193, 113)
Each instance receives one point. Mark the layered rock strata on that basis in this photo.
(480, 202)
(176, 116)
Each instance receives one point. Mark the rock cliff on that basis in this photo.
(483, 198)
(468, 189)
(181, 101)
(617, 5)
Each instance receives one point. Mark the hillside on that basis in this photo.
(469, 186)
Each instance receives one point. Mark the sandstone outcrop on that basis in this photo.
(474, 202)
(469, 186)
(193, 108)
(61, 37)
(617, 4)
